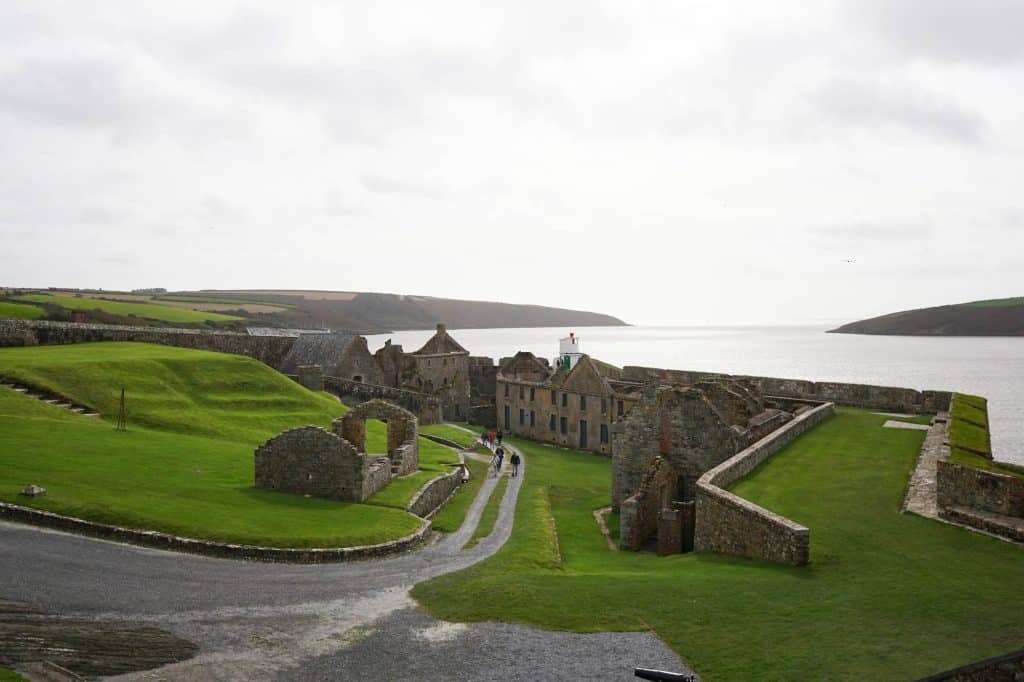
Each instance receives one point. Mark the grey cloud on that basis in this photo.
(866, 104)
(983, 31)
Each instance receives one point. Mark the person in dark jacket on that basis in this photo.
(514, 460)
(501, 434)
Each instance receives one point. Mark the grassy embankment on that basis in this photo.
(464, 438)
(451, 517)
(886, 595)
(151, 311)
(489, 516)
(969, 439)
(8, 675)
(185, 465)
(20, 311)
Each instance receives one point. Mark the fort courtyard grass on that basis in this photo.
(451, 517)
(489, 516)
(151, 311)
(886, 595)
(185, 466)
(456, 435)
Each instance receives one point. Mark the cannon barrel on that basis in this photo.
(662, 675)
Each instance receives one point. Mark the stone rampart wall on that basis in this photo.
(962, 486)
(888, 398)
(728, 524)
(484, 415)
(376, 475)
(427, 408)
(1003, 668)
(268, 349)
(434, 493)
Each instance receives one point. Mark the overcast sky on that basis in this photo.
(675, 163)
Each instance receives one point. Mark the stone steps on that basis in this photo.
(1008, 527)
(50, 399)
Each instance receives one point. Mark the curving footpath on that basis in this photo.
(324, 622)
(347, 621)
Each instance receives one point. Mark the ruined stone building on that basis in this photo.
(334, 464)
(345, 356)
(573, 405)
(672, 436)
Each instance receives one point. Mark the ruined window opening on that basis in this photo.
(621, 408)
(680, 491)
(522, 392)
(551, 424)
(583, 402)
(565, 400)
(445, 362)
(564, 423)
(554, 397)
(604, 406)
(506, 390)
(604, 433)
(358, 379)
(532, 394)
(522, 417)
(533, 419)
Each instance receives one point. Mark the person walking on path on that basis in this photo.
(500, 454)
(514, 460)
(490, 439)
(500, 436)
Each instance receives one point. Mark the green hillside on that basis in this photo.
(185, 465)
(995, 317)
(20, 311)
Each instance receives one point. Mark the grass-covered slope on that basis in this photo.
(998, 317)
(886, 595)
(969, 438)
(20, 311)
(186, 463)
(151, 311)
(172, 389)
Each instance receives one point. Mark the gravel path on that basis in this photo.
(301, 622)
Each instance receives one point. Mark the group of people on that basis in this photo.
(493, 441)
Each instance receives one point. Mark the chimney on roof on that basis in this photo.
(441, 329)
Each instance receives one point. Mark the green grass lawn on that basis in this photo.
(451, 517)
(886, 595)
(433, 460)
(8, 675)
(20, 311)
(185, 465)
(489, 516)
(151, 311)
(459, 436)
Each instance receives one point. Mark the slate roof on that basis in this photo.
(441, 343)
(325, 350)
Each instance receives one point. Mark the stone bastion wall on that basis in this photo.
(267, 349)
(728, 524)
(434, 494)
(887, 398)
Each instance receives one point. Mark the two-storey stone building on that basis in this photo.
(574, 407)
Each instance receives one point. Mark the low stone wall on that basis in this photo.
(1004, 668)
(887, 398)
(961, 486)
(434, 493)
(442, 440)
(268, 349)
(174, 543)
(427, 408)
(728, 524)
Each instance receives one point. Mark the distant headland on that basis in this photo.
(995, 317)
(363, 312)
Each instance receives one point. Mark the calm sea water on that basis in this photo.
(992, 367)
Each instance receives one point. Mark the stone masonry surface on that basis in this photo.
(268, 349)
(728, 524)
(310, 460)
(434, 493)
(921, 491)
(887, 398)
(427, 408)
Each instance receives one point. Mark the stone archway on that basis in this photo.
(402, 430)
